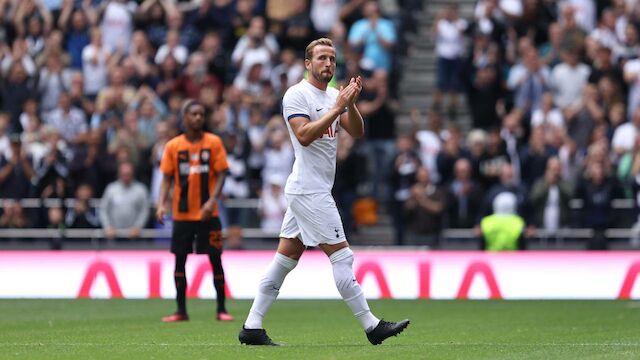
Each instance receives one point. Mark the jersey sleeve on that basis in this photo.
(294, 104)
(168, 162)
(219, 157)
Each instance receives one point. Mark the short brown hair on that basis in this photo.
(308, 53)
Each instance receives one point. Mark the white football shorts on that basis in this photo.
(313, 218)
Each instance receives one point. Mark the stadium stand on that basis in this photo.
(532, 97)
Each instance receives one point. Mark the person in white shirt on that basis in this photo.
(625, 136)
(315, 114)
(449, 29)
(94, 64)
(273, 204)
(117, 24)
(548, 116)
(568, 79)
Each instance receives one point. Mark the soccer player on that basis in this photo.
(315, 114)
(196, 162)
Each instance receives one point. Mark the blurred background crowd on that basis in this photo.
(91, 90)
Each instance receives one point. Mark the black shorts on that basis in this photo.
(206, 234)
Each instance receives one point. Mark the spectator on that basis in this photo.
(298, 28)
(15, 89)
(124, 207)
(18, 53)
(375, 35)
(53, 80)
(52, 172)
(196, 78)
(118, 94)
(568, 79)
(82, 215)
(95, 58)
(429, 142)
(465, 197)
(350, 170)
(256, 46)
(548, 116)
(549, 199)
(273, 205)
(117, 24)
(150, 110)
(92, 165)
(449, 29)
(216, 56)
(172, 46)
(164, 133)
(403, 177)
(278, 155)
(596, 191)
(603, 66)
(535, 157)
(507, 184)
(424, 209)
(550, 51)
(505, 229)
(13, 215)
(491, 164)
(529, 82)
(153, 15)
(484, 91)
(16, 171)
(32, 20)
(235, 110)
(69, 121)
(128, 144)
(624, 138)
(289, 72)
(379, 119)
(257, 133)
(236, 185)
(582, 117)
(77, 27)
(324, 15)
(451, 151)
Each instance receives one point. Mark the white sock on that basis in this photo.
(269, 289)
(342, 261)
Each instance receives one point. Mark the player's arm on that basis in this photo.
(161, 208)
(207, 208)
(307, 131)
(352, 121)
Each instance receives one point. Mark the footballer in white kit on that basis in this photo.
(312, 215)
(315, 114)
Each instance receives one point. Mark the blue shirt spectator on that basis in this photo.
(375, 35)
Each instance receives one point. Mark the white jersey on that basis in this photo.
(314, 168)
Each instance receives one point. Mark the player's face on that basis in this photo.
(194, 118)
(322, 65)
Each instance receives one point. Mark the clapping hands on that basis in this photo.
(349, 95)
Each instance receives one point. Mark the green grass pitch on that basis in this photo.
(321, 329)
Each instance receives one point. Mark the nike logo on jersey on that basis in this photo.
(318, 109)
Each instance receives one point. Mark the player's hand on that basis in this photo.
(207, 210)
(160, 213)
(357, 83)
(346, 93)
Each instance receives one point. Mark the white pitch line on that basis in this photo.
(336, 345)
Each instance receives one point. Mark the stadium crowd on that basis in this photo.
(92, 90)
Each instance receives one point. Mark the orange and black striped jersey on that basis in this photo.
(194, 167)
